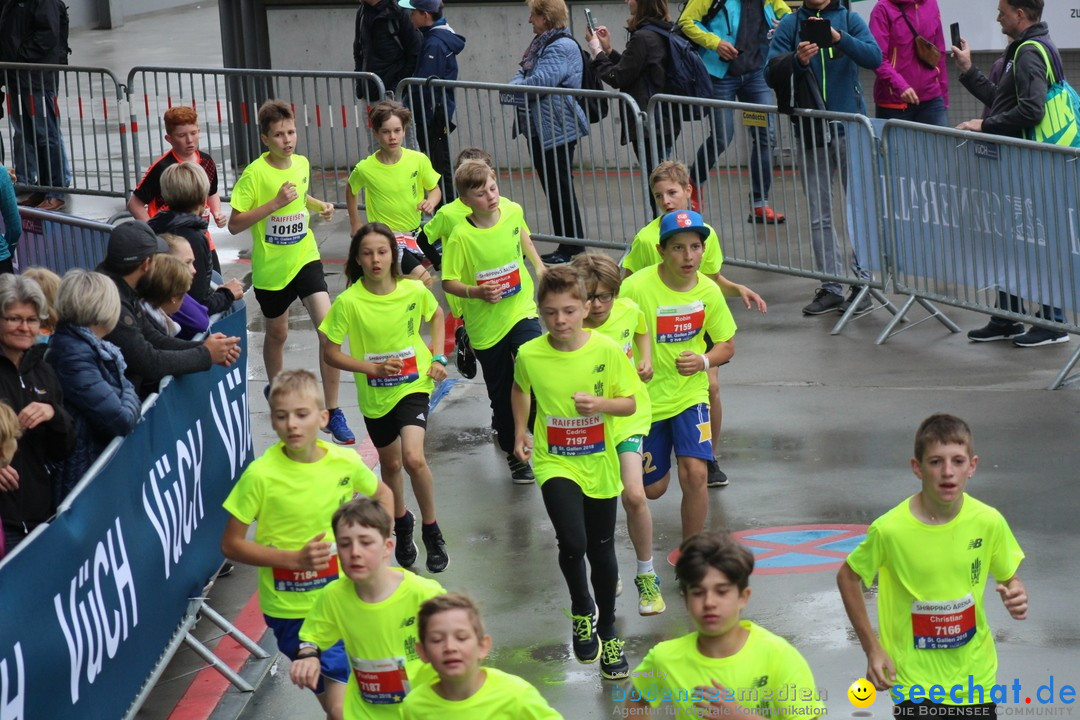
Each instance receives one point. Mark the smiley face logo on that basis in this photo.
(861, 693)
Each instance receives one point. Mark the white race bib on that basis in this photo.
(286, 229)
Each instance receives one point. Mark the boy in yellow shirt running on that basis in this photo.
(484, 264)
(583, 382)
(373, 610)
(671, 190)
(932, 555)
(452, 639)
(271, 199)
(681, 306)
(292, 491)
(727, 667)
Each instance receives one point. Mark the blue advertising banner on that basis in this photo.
(90, 603)
(984, 215)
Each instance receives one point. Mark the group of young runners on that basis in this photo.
(592, 410)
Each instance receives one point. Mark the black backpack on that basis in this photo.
(65, 33)
(596, 108)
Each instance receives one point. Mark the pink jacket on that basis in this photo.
(900, 68)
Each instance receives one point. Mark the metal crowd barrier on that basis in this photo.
(681, 126)
(975, 216)
(63, 130)
(332, 126)
(60, 242)
(605, 176)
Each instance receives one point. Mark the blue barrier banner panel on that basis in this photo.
(61, 246)
(90, 603)
(863, 199)
(984, 216)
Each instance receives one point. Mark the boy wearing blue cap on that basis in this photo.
(433, 108)
(681, 305)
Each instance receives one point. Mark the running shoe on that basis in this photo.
(585, 641)
(717, 477)
(465, 357)
(405, 550)
(613, 664)
(650, 601)
(437, 559)
(520, 471)
(339, 429)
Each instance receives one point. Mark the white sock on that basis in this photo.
(645, 567)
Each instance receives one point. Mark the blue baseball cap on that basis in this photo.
(683, 221)
(431, 6)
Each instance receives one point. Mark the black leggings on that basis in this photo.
(585, 527)
(554, 168)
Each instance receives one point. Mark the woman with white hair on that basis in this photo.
(29, 386)
(101, 400)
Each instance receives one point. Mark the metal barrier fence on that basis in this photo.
(603, 204)
(331, 124)
(833, 231)
(63, 129)
(60, 242)
(985, 223)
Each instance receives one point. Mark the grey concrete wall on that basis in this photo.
(85, 13)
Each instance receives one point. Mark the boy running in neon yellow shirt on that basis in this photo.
(271, 199)
(434, 234)
(681, 305)
(583, 382)
(399, 186)
(727, 667)
(671, 189)
(291, 492)
(484, 263)
(932, 555)
(373, 610)
(621, 320)
(452, 639)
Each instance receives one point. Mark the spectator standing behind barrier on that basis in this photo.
(433, 109)
(30, 33)
(909, 86)
(150, 354)
(1015, 101)
(29, 385)
(385, 44)
(734, 40)
(824, 152)
(640, 70)
(553, 123)
(9, 210)
(162, 291)
(102, 402)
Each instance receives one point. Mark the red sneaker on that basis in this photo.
(765, 215)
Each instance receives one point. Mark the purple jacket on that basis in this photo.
(900, 68)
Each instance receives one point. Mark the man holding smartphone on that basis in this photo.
(1015, 100)
(835, 67)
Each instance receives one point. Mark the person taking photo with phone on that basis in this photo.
(829, 60)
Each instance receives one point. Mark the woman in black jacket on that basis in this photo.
(29, 385)
(640, 70)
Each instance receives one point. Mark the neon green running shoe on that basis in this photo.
(585, 641)
(613, 664)
(650, 601)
